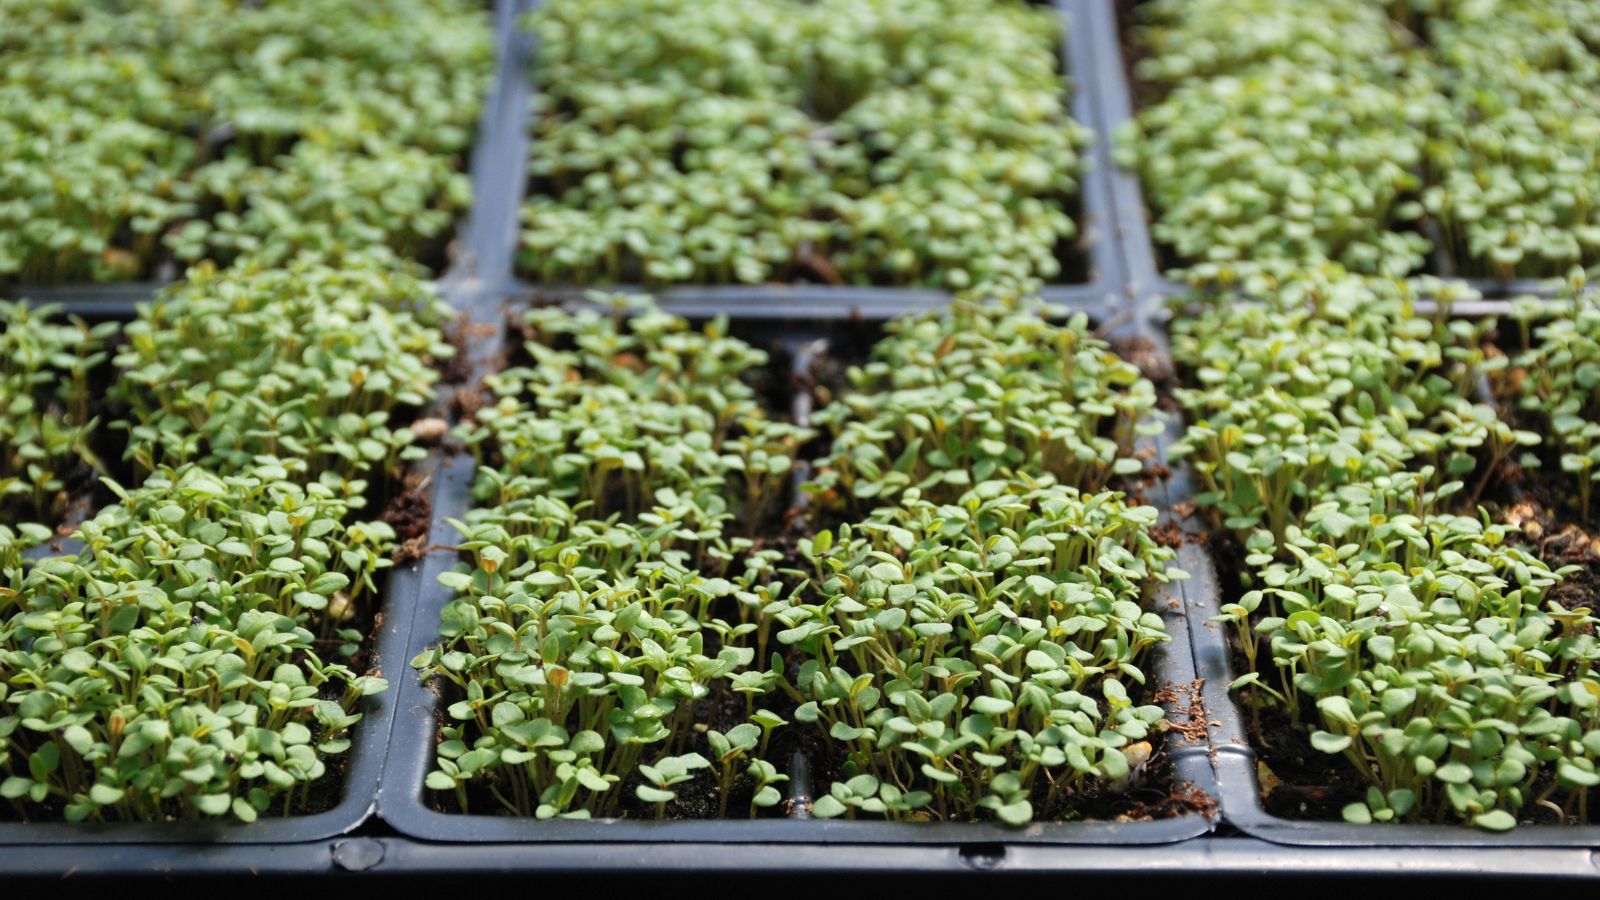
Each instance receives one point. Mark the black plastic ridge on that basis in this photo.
(484, 259)
(1233, 858)
(1133, 213)
(1100, 296)
(816, 303)
(91, 301)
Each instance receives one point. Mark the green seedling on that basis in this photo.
(974, 655)
(174, 669)
(47, 416)
(949, 400)
(885, 142)
(310, 363)
(142, 133)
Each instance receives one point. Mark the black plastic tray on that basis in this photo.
(357, 784)
(1239, 790)
(1101, 295)
(403, 801)
(1236, 759)
(370, 737)
(1141, 257)
(1128, 295)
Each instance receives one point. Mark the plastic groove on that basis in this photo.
(487, 249)
(814, 303)
(800, 792)
(104, 301)
(1097, 222)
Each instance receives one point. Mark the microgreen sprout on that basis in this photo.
(1370, 134)
(47, 415)
(974, 655)
(952, 399)
(965, 646)
(886, 142)
(1333, 383)
(137, 133)
(1333, 430)
(610, 595)
(1283, 132)
(174, 669)
(314, 364)
(1513, 159)
(1559, 381)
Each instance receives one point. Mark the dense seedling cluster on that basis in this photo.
(175, 668)
(47, 412)
(977, 654)
(215, 130)
(1335, 132)
(1332, 428)
(890, 142)
(1557, 381)
(614, 587)
(199, 655)
(1515, 157)
(948, 401)
(304, 362)
(627, 640)
(1283, 132)
(1330, 384)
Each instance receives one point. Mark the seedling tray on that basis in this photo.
(384, 824)
(405, 805)
(1238, 785)
(1100, 295)
(1237, 780)
(370, 737)
(359, 770)
(1110, 73)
